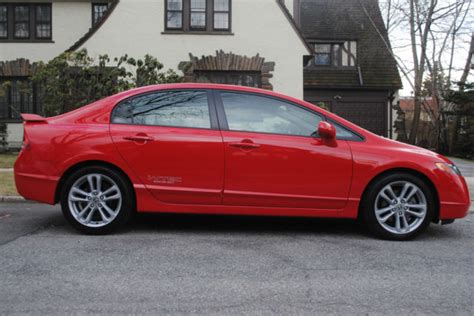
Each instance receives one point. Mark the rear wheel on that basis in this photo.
(398, 206)
(97, 200)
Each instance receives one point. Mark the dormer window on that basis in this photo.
(197, 16)
(98, 11)
(335, 54)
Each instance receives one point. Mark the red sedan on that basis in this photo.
(218, 149)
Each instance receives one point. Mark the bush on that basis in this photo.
(74, 79)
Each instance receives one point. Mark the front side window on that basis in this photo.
(25, 22)
(198, 15)
(167, 108)
(252, 113)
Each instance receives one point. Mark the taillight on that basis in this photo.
(26, 142)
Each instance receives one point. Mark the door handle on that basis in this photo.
(244, 145)
(139, 138)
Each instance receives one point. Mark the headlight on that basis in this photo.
(448, 167)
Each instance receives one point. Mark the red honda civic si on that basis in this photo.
(219, 149)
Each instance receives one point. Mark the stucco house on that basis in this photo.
(272, 44)
(237, 42)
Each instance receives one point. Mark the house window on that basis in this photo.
(43, 21)
(22, 21)
(198, 15)
(17, 95)
(25, 22)
(174, 14)
(98, 11)
(221, 14)
(336, 54)
(3, 21)
(239, 78)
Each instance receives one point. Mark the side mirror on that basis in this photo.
(326, 130)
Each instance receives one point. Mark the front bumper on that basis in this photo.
(454, 198)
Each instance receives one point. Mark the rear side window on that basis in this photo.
(253, 113)
(167, 108)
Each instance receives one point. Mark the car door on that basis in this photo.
(172, 142)
(273, 157)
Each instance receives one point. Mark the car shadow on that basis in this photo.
(267, 225)
(205, 224)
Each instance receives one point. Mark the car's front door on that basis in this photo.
(172, 142)
(274, 159)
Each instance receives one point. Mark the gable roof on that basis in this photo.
(81, 41)
(359, 20)
(94, 28)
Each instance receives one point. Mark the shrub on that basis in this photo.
(74, 79)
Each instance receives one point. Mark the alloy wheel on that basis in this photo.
(400, 207)
(94, 200)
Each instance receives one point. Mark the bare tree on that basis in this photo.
(435, 28)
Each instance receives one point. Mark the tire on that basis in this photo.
(412, 205)
(102, 208)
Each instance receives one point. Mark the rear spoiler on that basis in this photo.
(32, 118)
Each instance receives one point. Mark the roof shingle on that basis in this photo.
(348, 20)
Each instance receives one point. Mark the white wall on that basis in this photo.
(70, 21)
(289, 5)
(135, 27)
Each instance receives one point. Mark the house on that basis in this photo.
(253, 43)
(353, 73)
(429, 115)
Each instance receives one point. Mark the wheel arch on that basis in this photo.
(91, 163)
(413, 172)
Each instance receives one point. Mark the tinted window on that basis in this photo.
(344, 133)
(254, 113)
(168, 108)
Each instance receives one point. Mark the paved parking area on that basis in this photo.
(226, 265)
(178, 264)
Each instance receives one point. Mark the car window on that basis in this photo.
(253, 113)
(344, 133)
(167, 108)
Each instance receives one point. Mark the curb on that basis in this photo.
(13, 199)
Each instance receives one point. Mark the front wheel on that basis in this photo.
(398, 206)
(96, 200)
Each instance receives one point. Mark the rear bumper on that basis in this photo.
(35, 187)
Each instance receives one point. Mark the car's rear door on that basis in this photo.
(172, 142)
(272, 159)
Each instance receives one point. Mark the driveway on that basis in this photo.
(164, 264)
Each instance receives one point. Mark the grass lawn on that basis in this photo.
(7, 160)
(7, 184)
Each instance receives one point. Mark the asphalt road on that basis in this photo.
(164, 264)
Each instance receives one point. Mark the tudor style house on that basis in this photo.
(325, 52)
(352, 73)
